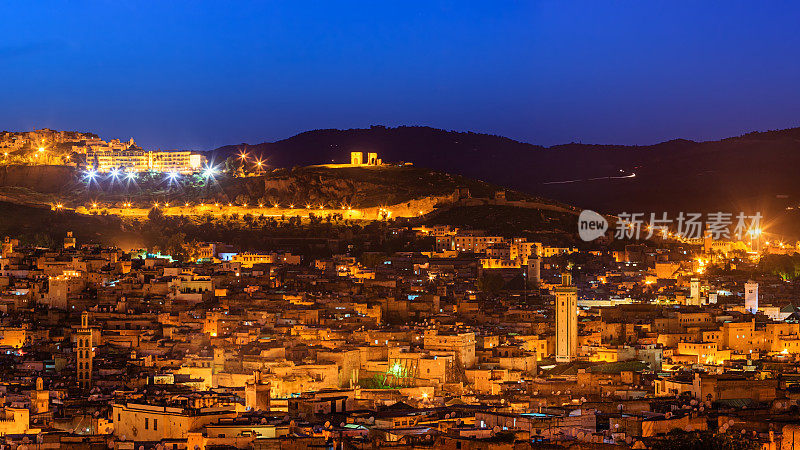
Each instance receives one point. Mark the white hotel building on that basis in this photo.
(184, 162)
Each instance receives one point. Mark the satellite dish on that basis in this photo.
(495, 429)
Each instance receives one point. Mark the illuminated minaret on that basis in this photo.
(534, 270)
(85, 353)
(694, 292)
(566, 319)
(69, 241)
(751, 297)
(8, 247)
(40, 399)
(708, 241)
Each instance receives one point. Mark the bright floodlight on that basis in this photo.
(131, 175)
(90, 175)
(209, 172)
(172, 175)
(114, 173)
(41, 149)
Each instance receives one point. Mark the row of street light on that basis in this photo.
(116, 174)
(96, 205)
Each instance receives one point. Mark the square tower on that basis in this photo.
(751, 297)
(694, 293)
(356, 158)
(85, 353)
(566, 319)
(69, 241)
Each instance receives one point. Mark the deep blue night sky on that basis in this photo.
(203, 74)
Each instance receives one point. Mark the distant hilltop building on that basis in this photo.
(98, 145)
(143, 161)
(102, 156)
(17, 140)
(357, 159)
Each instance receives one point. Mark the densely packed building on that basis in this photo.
(16, 140)
(40, 146)
(410, 349)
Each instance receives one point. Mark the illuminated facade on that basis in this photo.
(247, 260)
(184, 162)
(357, 159)
(461, 345)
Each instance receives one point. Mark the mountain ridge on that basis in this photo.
(750, 172)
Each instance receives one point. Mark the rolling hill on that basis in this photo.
(752, 172)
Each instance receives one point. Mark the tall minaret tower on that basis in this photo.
(751, 297)
(40, 399)
(69, 241)
(85, 353)
(694, 292)
(534, 269)
(7, 247)
(566, 319)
